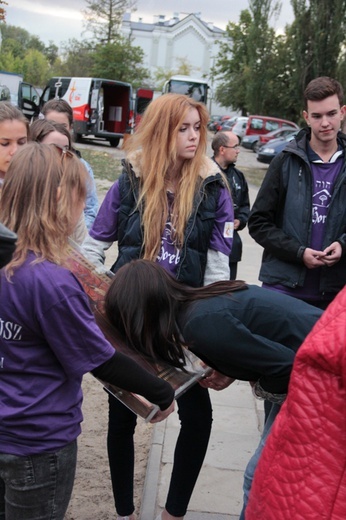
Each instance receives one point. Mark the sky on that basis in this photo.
(60, 20)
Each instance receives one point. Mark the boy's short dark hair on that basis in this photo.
(321, 88)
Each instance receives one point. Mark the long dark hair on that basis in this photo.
(143, 302)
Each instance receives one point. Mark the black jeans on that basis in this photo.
(195, 414)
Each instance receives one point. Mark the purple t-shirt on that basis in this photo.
(48, 340)
(105, 227)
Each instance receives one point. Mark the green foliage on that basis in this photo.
(248, 60)
(10, 63)
(263, 72)
(184, 67)
(77, 59)
(163, 74)
(26, 54)
(35, 67)
(317, 37)
(120, 60)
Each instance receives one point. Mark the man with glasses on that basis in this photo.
(226, 149)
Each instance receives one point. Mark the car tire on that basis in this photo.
(114, 142)
(256, 147)
(78, 137)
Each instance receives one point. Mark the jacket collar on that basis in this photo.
(209, 169)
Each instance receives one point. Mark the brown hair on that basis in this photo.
(143, 302)
(31, 207)
(155, 140)
(321, 88)
(40, 128)
(58, 105)
(8, 112)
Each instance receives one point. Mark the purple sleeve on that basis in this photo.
(105, 226)
(69, 325)
(222, 236)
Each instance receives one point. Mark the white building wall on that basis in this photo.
(166, 43)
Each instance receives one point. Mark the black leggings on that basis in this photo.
(195, 414)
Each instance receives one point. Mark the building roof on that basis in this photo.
(160, 21)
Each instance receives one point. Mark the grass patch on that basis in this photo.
(107, 167)
(104, 165)
(254, 176)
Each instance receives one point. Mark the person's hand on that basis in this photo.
(236, 223)
(216, 381)
(332, 254)
(313, 258)
(161, 415)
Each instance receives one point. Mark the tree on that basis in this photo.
(10, 63)
(162, 74)
(248, 63)
(261, 45)
(2, 11)
(36, 68)
(120, 60)
(103, 18)
(232, 64)
(317, 38)
(77, 59)
(18, 36)
(51, 52)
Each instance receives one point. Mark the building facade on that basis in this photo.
(183, 39)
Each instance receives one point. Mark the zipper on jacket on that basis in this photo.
(202, 193)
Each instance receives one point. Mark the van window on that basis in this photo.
(256, 124)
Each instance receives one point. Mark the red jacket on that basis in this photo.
(302, 472)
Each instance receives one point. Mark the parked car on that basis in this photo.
(212, 121)
(260, 125)
(226, 125)
(217, 126)
(240, 127)
(5, 94)
(267, 152)
(250, 142)
(284, 131)
(254, 142)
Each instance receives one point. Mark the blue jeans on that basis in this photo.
(251, 466)
(37, 487)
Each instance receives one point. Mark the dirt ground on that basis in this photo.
(92, 497)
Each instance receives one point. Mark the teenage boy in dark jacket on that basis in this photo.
(299, 215)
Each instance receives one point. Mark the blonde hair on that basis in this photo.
(31, 206)
(156, 139)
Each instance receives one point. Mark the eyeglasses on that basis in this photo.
(235, 147)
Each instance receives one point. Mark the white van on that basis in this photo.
(101, 107)
(240, 127)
